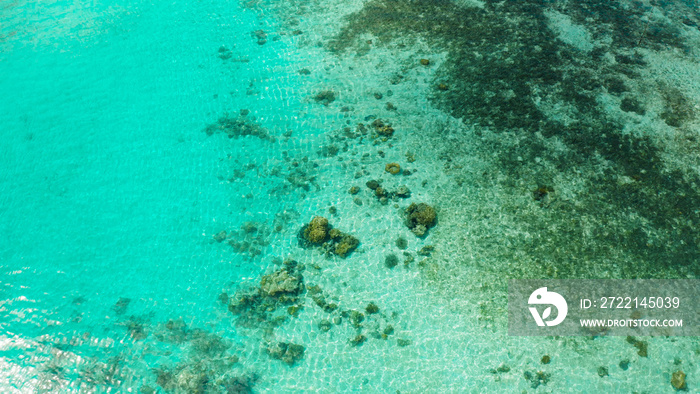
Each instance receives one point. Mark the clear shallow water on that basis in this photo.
(112, 193)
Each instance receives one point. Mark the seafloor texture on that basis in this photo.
(330, 196)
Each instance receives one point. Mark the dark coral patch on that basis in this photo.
(319, 232)
(420, 217)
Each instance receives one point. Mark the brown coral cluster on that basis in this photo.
(392, 168)
(320, 233)
(384, 130)
(280, 288)
(420, 217)
(317, 231)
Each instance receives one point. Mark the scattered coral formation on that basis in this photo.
(207, 366)
(319, 232)
(320, 300)
(383, 129)
(537, 378)
(260, 36)
(120, 307)
(678, 381)
(392, 168)
(358, 340)
(426, 250)
(280, 288)
(603, 371)
(391, 261)
(325, 97)
(420, 218)
(642, 346)
(383, 195)
(220, 236)
(289, 353)
(281, 282)
(372, 308)
(241, 126)
(403, 191)
(345, 244)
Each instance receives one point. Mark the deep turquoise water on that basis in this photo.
(111, 194)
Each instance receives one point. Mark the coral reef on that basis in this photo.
(288, 352)
(260, 36)
(325, 97)
(426, 250)
(220, 236)
(280, 282)
(420, 218)
(382, 129)
(642, 346)
(401, 243)
(678, 381)
(345, 244)
(537, 378)
(280, 288)
(391, 261)
(240, 126)
(120, 307)
(403, 191)
(250, 239)
(372, 184)
(324, 325)
(603, 371)
(319, 232)
(392, 168)
(358, 340)
(320, 300)
(372, 308)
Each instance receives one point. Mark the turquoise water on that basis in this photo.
(113, 193)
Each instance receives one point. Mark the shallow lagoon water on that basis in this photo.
(113, 279)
